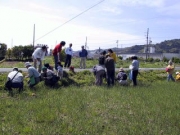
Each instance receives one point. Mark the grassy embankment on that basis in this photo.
(77, 107)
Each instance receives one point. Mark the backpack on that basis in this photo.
(101, 60)
(124, 76)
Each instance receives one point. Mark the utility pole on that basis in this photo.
(147, 38)
(86, 43)
(33, 36)
(117, 47)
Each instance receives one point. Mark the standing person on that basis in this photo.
(16, 78)
(102, 58)
(170, 70)
(134, 69)
(38, 55)
(69, 54)
(83, 55)
(33, 74)
(110, 68)
(112, 55)
(56, 52)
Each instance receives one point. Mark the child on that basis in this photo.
(177, 77)
(170, 70)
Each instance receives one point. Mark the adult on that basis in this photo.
(122, 77)
(16, 78)
(102, 58)
(134, 69)
(69, 54)
(110, 69)
(170, 70)
(33, 74)
(83, 55)
(112, 55)
(56, 52)
(99, 72)
(38, 55)
(50, 79)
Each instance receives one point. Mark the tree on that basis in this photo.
(3, 49)
(9, 53)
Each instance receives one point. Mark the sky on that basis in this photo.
(105, 23)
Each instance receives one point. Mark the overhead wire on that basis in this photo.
(70, 19)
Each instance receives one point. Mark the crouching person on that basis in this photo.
(122, 77)
(14, 80)
(99, 72)
(50, 79)
(33, 74)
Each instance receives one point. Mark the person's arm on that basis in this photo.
(30, 73)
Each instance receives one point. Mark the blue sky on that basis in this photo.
(124, 20)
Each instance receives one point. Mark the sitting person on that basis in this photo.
(122, 77)
(33, 74)
(177, 77)
(50, 79)
(99, 72)
(16, 78)
(60, 70)
(48, 66)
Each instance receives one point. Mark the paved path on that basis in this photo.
(90, 69)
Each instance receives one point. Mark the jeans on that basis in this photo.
(134, 77)
(68, 60)
(110, 77)
(55, 61)
(170, 77)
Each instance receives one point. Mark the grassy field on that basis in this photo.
(89, 63)
(77, 107)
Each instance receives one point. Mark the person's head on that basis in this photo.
(27, 64)
(170, 62)
(44, 69)
(121, 70)
(70, 45)
(177, 73)
(15, 69)
(110, 50)
(46, 65)
(82, 46)
(103, 53)
(134, 57)
(62, 43)
(44, 47)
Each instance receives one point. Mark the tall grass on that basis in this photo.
(153, 107)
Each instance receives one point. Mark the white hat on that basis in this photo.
(121, 69)
(177, 73)
(27, 64)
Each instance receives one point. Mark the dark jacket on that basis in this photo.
(83, 53)
(109, 63)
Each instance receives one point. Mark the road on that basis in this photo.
(90, 69)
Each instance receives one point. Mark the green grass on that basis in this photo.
(153, 107)
(89, 63)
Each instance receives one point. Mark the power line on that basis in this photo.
(70, 20)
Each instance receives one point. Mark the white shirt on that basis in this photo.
(69, 51)
(60, 69)
(18, 78)
(38, 53)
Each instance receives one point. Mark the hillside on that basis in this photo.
(167, 46)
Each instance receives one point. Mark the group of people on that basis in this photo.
(36, 73)
(106, 69)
